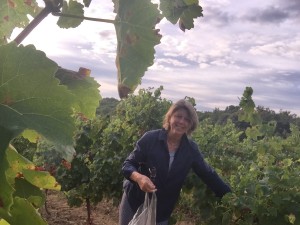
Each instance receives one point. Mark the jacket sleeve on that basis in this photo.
(208, 175)
(138, 155)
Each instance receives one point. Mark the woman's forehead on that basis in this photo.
(181, 111)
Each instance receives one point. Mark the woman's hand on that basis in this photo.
(143, 181)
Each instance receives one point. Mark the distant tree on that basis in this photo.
(107, 106)
(283, 119)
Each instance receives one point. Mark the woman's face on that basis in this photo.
(180, 122)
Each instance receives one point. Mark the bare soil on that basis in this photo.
(62, 214)
(57, 212)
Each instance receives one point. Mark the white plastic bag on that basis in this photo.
(146, 213)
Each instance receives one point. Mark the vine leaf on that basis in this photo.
(41, 179)
(136, 34)
(3, 222)
(24, 213)
(31, 97)
(15, 186)
(73, 8)
(16, 164)
(22, 167)
(32, 193)
(12, 14)
(184, 11)
(6, 189)
(83, 87)
(87, 3)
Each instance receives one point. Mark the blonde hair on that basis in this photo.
(182, 104)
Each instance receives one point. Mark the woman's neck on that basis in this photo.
(173, 142)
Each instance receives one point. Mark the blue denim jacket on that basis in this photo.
(152, 151)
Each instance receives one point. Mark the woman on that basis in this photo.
(161, 161)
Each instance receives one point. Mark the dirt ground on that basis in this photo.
(61, 214)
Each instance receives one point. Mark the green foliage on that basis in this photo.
(42, 105)
(73, 8)
(219, 141)
(73, 176)
(106, 106)
(135, 28)
(283, 118)
(84, 88)
(14, 14)
(22, 212)
(20, 192)
(25, 147)
(32, 98)
(184, 11)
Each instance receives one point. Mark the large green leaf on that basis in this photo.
(20, 166)
(16, 164)
(6, 190)
(41, 179)
(183, 10)
(13, 13)
(3, 222)
(137, 36)
(84, 87)
(24, 213)
(26, 190)
(15, 174)
(31, 97)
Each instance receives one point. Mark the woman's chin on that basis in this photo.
(178, 132)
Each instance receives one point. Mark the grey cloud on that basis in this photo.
(292, 5)
(282, 11)
(217, 17)
(281, 77)
(269, 15)
(170, 61)
(277, 90)
(244, 64)
(107, 34)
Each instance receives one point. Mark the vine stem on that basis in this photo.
(46, 202)
(89, 211)
(42, 15)
(83, 17)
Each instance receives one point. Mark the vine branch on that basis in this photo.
(83, 17)
(51, 6)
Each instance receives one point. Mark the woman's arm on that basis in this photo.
(209, 176)
(133, 162)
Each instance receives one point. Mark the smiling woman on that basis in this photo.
(171, 153)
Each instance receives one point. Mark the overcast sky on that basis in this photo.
(236, 44)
